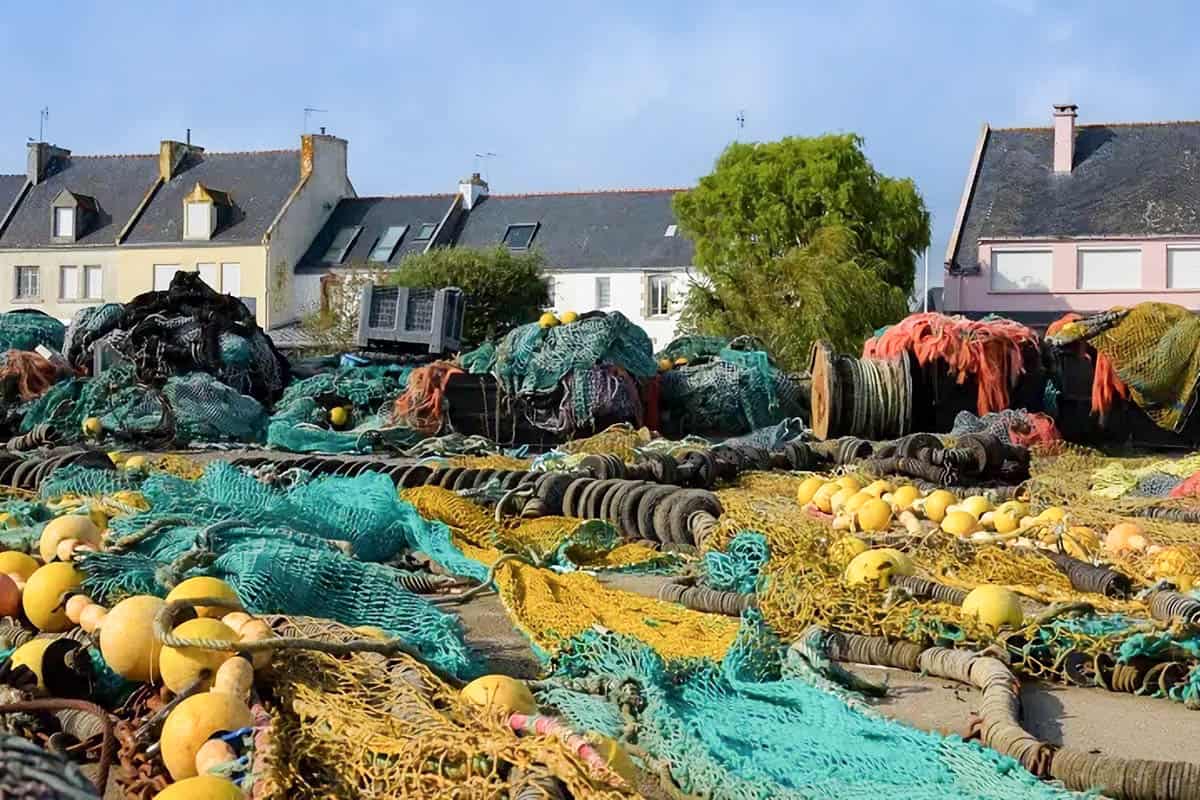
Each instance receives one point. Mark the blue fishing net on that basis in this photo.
(739, 567)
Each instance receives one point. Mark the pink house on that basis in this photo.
(1077, 218)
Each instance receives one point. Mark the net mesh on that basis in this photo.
(26, 330)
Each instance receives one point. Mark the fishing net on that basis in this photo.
(748, 724)
(26, 376)
(692, 347)
(1011, 426)
(26, 330)
(738, 568)
(988, 350)
(727, 395)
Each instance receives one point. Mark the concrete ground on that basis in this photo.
(1086, 719)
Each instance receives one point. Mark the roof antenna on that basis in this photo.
(43, 122)
(486, 157)
(741, 121)
(308, 112)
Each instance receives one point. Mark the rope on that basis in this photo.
(108, 747)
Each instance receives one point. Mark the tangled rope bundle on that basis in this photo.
(420, 407)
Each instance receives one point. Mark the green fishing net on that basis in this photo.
(738, 568)
(25, 330)
(76, 479)
(732, 393)
(753, 727)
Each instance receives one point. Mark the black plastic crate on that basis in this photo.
(397, 317)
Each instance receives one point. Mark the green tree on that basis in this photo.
(763, 200)
(504, 289)
(826, 288)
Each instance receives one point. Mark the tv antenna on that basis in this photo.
(486, 159)
(43, 123)
(309, 111)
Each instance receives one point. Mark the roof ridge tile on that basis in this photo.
(582, 192)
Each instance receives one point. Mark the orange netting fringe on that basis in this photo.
(1106, 385)
(420, 407)
(33, 374)
(989, 351)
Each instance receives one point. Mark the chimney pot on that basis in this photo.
(472, 189)
(40, 162)
(1064, 137)
(322, 130)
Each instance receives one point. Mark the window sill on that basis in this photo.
(28, 300)
(80, 301)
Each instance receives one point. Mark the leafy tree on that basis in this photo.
(762, 200)
(826, 288)
(334, 325)
(503, 289)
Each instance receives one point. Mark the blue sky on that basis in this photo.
(595, 95)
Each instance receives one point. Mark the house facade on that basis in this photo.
(614, 250)
(83, 230)
(1077, 218)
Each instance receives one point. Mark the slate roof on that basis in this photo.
(10, 187)
(117, 183)
(586, 230)
(1128, 180)
(257, 183)
(376, 215)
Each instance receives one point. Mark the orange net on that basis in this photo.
(987, 350)
(31, 374)
(420, 407)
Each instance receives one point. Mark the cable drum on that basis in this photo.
(1169, 606)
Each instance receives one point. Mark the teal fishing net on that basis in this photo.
(730, 394)
(690, 347)
(480, 360)
(75, 479)
(751, 727)
(25, 330)
(739, 567)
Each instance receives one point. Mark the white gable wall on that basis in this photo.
(575, 290)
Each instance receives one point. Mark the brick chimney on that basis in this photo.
(171, 155)
(1064, 137)
(472, 189)
(43, 160)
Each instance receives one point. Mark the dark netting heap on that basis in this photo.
(595, 361)
(188, 328)
(301, 422)
(727, 391)
(25, 329)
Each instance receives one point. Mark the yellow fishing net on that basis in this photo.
(373, 727)
(490, 461)
(1155, 350)
(550, 607)
(619, 440)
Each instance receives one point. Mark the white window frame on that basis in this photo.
(1181, 248)
(228, 269)
(189, 226)
(1001, 251)
(666, 280)
(158, 269)
(29, 269)
(671, 230)
(603, 298)
(1082, 251)
(85, 286)
(207, 270)
(69, 214)
(68, 278)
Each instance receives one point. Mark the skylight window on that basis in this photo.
(385, 248)
(341, 244)
(426, 231)
(518, 237)
(670, 231)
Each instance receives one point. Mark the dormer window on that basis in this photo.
(64, 223)
(519, 237)
(201, 212)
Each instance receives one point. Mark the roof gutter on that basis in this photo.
(965, 201)
(137, 212)
(12, 209)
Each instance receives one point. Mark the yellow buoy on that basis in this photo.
(1123, 536)
(568, 317)
(204, 586)
(235, 677)
(202, 787)
(824, 495)
(905, 496)
(856, 502)
(339, 416)
(681, 362)
(1015, 508)
(841, 497)
(844, 549)
(254, 631)
(665, 364)
(137, 464)
(976, 505)
(993, 607)
(960, 523)
(69, 526)
(547, 320)
(91, 619)
(180, 667)
(936, 504)
(43, 598)
(193, 722)
(875, 516)
(876, 567)
(500, 691)
(849, 482)
(127, 639)
(92, 427)
(30, 655)
(13, 562)
(1052, 514)
(1004, 522)
(808, 487)
(878, 488)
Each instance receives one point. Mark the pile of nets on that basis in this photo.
(27, 329)
(988, 351)
(571, 375)
(1154, 349)
(301, 422)
(187, 328)
(1011, 426)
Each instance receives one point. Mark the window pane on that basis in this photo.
(199, 221)
(1183, 268)
(93, 278)
(386, 246)
(426, 230)
(1110, 269)
(163, 273)
(64, 222)
(1021, 271)
(341, 245)
(28, 283)
(518, 237)
(670, 231)
(208, 274)
(603, 292)
(68, 283)
(231, 279)
(660, 295)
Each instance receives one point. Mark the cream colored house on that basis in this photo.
(81, 230)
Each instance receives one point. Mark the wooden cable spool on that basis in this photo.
(825, 391)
